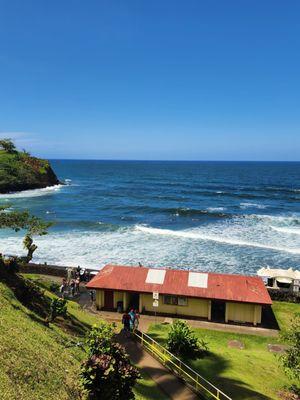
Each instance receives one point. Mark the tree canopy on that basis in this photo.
(23, 220)
(7, 145)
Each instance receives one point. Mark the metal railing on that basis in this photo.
(175, 365)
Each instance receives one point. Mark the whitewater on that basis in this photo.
(225, 217)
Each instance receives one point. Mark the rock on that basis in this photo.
(236, 344)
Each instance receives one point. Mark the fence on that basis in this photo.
(170, 361)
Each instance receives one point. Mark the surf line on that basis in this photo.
(199, 236)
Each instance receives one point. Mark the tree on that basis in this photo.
(291, 358)
(23, 220)
(183, 342)
(107, 374)
(8, 145)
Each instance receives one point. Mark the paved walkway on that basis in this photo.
(167, 382)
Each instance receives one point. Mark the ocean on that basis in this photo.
(233, 217)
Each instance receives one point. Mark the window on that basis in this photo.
(175, 300)
(182, 301)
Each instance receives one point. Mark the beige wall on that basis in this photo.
(118, 296)
(238, 312)
(194, 307)
(99, 298)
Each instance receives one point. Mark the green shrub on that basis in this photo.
(54, 287)
(291, 358)
(281, 295)
(107, 374)
(57, 307)
(183, 342)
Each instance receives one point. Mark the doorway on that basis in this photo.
(218, 310)
(108, 299)
(134, 301)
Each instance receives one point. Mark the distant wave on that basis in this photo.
(293, 231)
(210, 212)
(284, 219)
(252, 205)
(213, 209)
(32, 193)
(214, 238)
(177, 211)
(281, 189)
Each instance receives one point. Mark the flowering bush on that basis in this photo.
(107, 374)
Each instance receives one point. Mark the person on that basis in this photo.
(77, 284)
(92, 295)
(132, 319)
(126, 322)
(63, 285)
(69, 275)
(72, 284)
(136, 320)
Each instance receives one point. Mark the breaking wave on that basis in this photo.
(32, 193)
(292, 231)
(213, 238)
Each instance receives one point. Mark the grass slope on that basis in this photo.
(39, 362)
(251, 373)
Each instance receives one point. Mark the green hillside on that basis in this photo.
(39, 362)
(21, 171)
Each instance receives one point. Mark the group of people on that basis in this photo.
(130, 320)
(71, 284)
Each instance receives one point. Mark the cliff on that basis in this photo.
(20, 171)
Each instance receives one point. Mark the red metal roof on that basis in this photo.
(240, 288)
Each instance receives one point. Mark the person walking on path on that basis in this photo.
(136, 320)
(132, 319)
(126, 323)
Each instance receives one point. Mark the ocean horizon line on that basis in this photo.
(170, 161)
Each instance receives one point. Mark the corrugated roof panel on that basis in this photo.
(197, 279)
(156, 276)
(240, 288)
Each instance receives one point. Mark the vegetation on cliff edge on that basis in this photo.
(21, 171)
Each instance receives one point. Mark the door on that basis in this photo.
(109, 299)
(218, 310)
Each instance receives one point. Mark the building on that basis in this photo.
(217, 297)
(281, 279)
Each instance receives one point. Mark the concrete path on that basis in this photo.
(167, 382)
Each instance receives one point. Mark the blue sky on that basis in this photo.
(191, 80)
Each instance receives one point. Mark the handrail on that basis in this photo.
(198, 382)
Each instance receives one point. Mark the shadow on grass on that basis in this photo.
(211, 367)
(268, 318)
(32, 297)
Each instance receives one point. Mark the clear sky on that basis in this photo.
(159, 79)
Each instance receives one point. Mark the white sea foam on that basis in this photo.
(213, 209)
(32, 193)
(235, 245)
(293, 231)
(252, 205)
(219, 239)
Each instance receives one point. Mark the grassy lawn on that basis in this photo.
(251, 373)
(284, 312)
(39, 362)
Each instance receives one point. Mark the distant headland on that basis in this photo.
(21, 171)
